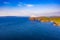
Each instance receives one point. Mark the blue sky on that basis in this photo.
(35, 2)
(29, 7)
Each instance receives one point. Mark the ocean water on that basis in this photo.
(21, 28)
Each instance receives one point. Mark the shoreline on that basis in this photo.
(55, 19)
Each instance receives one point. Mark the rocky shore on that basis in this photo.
(55, 20)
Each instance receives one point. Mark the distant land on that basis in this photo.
(54, 19)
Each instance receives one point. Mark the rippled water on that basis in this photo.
(21, 28)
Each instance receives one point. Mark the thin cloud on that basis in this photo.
(20, 4)
(29, 11)
(29, 5)
(26, 5)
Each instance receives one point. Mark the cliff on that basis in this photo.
(55, 20)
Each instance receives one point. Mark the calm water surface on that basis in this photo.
(21, 28)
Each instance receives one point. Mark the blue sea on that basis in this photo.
(21, 28)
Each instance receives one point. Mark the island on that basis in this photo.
(54, 19)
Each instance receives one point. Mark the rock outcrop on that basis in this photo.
(55, 20)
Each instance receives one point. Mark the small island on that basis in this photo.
(54, 19)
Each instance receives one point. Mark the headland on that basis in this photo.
(54, 19)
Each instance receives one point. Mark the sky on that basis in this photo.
(29, 7)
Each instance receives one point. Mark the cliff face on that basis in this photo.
(55, 20)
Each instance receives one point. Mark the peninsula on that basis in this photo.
(54, 19)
